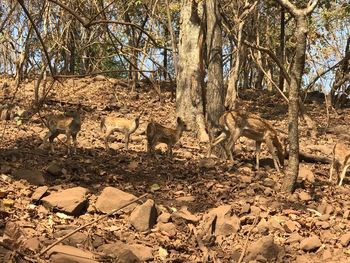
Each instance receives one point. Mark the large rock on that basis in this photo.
(144, 217)
(310, 243)
(143, 253)
(34, 177)
(68, 254)
(72, 201)
(264, 247)
(112, 198)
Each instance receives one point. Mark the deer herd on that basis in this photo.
(231, 126)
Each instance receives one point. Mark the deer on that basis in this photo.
(234, 124)
(157, 133)
(68, 123)
(340, 161)
(110, 124)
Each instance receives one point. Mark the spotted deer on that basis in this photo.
(157, 133)
(68, 123)
(234, 124)
(340, 161)
(110, 124)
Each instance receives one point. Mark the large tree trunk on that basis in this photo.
(189, 91)
(214, 92)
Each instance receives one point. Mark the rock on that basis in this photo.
(246, 179)
(168, 228)
(112, 198)
(207, 163)
(72, 201)
(310, 243)
(34, 177)
(226, 223)
(291, 226)
(329, 209)
(183, 213)
(263, 226)
(345, 239)
(294, 237)
(304, 196)
(245, 208)
(274, 224)
(265, 247)
(254, 210)
(73, 240)
(305, 174)
(39, 193)
(32, 244)
(68, 254)
(144, 217)
(322, 224)
(164, 217)
(54, 169)
(143, 253)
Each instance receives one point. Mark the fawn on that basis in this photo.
(235, 124)
(68, 123)
(110, 124)
(157, 133)
(340, 161)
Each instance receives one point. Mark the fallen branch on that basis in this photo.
(88, 224)
(247, 240)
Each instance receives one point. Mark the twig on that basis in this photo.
(88, 224)
(247, 240)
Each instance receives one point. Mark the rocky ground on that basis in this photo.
(192, 209)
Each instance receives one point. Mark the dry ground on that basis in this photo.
(252, 194)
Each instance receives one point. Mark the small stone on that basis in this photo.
(310, 243)
(345, 239)
(168, 228)
(164, 217)
(291, 226)
(245, 208)
(186, 215)
(304, 196)
(39, 193)
(144, 217)
(264, 247)
(306, 174)
(294, 237)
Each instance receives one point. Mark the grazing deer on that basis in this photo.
(157, 133)
(68, 123)
(340, 161)
(110, 124)
(235, 124)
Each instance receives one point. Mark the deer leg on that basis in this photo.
(68, 142)
(343, 174)
(257, 154)
(127, 138)
(170, 150)
(216, 141)
(108, 133)
(272, 150)
(331, 170)
(51, 136)
(75, 143)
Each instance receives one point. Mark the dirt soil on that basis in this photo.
(318, 208)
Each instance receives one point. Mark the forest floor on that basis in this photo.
(207, 208)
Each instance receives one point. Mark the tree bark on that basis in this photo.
(214, 91)
(189, 91)
(297, 72)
